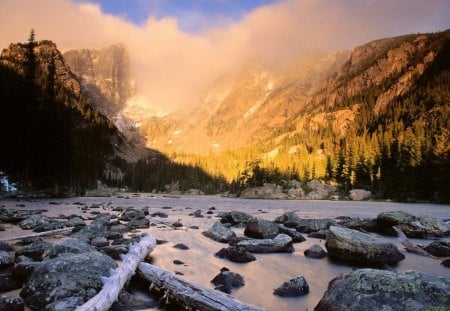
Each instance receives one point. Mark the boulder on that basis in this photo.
(360, 248)
(261, 229)
(9, 303)
(99, 242)
(96, 229)
(315, 251)
(373, 290)
(226, 281)
(40, 223)
(321, 234)
(359, 195)
(293, 288)
(68, 275)
(314, 225)
(289, 219)
(296, 236)
(159, 214)
(267, 191)
(8, 283)
(368, 224)
(282, 243)
(421, 227)
(316, 190)
(132, 213)
(220, 233)
(6, 247)
(446, 263)
(24, 267)
(6, 260)
(34, 250)
(440, 248)
(115, 251)
(235, 217)
(236, 254)
(67, 245)
(128, 302)
(139, 223)
(75, 222)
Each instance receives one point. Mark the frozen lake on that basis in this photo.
(269, 270)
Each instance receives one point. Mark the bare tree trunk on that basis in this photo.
(35, 235)
(192, 295)
(120, 276)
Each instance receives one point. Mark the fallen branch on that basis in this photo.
(192, 295)
(35, 235)
(409, 246)
(120, 276)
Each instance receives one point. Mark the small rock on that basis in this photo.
(440, 248)
(293, 288)
(142, 223)
(446, 263)
(181, 246)
(159, 214)
(220, 233)
(194, 227)
(6, 247)
(236, 254)
(315, 251)
(177, 224)
(128, 302)
(11, 303)
(296, 236)
(75, 222)
(235, 217)
(226, 281)
(321, 234)
(8, 283)
(178, 262)
(99, 242)
(6, 260)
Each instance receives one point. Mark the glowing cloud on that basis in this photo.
(172, 67)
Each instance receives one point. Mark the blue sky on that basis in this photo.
(192, 15)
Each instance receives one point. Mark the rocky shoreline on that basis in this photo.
(61, 273)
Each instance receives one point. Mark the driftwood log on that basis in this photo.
(113, 284)
(35, 235)
(409, 246)
(192, 295)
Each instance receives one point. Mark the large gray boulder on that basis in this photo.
(374, 290)
(6, 260)
(422, 226)
(220, 233)
(282, 243)
(440, 248)
(66, 276)
(261, 229)
(359, 195)
(289, 219)
(68, 245)
(360, 248)
(34, 250)
(314, 225)
(267, 191)
(235, 217)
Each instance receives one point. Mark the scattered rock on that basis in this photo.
(68, 275)
(235, 217)
(67, 245)
(96, 229)
(373, 290)
(178, 262)
(75, 222)
(446, 263)
(118, 229)
(159, 214)
(236, 254)
(421, 227)
(6, 247)
(368, 224)
(99, 242)
(114, 251)
(359, 195)
(282, 243)
(141, 223)
(314, 225)
(128, 302)
(226, 281)
(361, 248)
(289, 219)
(261, 229)
(9, 303)
(220, 233)
(6, 260)
(177, 224)
(8, 283)
(24, 267)
(440, 248)
(34, 250)
(321, 234)
(198, 214)
(293, 288)
(132, 213)
(296, 236)
(315, 251)
(181, 246)
(34, 221)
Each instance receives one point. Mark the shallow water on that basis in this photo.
(269, 270)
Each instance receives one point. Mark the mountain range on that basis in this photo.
(374, 117)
